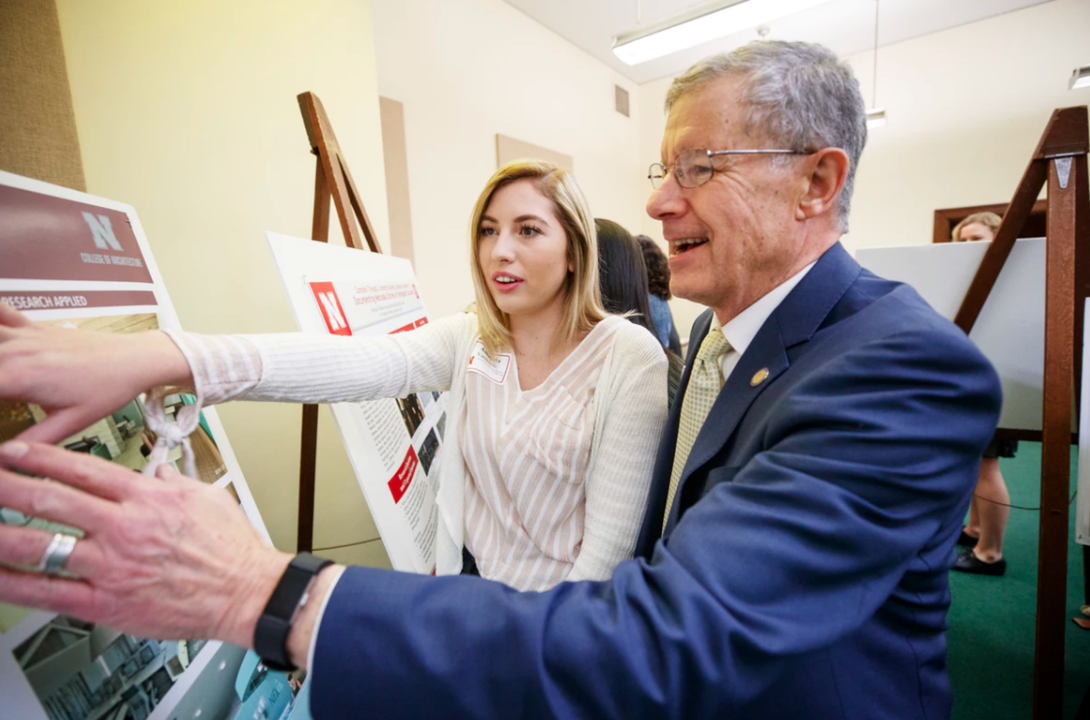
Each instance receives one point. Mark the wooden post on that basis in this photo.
(1060, 159)
(331, 179)
(1048, 669)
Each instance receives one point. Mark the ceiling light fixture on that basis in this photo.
(1080, 78)
(705, 22)
(876, 116)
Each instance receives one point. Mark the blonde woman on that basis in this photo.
(990, 506)
(976, 227)
(556, 407)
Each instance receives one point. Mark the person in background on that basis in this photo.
(977, 227)
(658, 286)
(982, 538)
(623, 278)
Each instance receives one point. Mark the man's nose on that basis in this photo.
(665, 200)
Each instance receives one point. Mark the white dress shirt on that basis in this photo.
(741, 329)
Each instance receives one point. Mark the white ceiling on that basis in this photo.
(845, 26)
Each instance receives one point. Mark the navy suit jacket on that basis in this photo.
(802, 574)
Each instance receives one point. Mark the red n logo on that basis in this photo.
(330, 306)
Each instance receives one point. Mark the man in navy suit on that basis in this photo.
(809, 491)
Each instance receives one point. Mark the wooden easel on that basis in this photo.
(1060, 160)
(331, 177)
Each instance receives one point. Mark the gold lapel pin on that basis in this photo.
(759, 377)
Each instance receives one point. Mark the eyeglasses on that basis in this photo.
(692, 168)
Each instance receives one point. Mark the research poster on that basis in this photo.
(71, 260)
(393, 444)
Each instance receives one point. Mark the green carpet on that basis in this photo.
(992, 619)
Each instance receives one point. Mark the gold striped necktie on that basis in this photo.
(704, 386)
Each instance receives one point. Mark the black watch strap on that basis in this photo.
(271, 633)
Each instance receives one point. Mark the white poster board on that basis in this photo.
(393, 444)
(1082, 507)
(1010, 330)
(73, 260)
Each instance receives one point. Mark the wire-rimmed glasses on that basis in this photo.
(694, 167)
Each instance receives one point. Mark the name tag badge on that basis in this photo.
(493, 368)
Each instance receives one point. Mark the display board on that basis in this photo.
(393, 444)
(1010, 329)
(68, 259)
(1082, 509)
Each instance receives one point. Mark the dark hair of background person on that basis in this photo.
(622, 274)
(658, 267)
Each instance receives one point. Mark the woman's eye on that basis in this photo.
(486, 231)
(529, 231)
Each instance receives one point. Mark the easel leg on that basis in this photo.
(1056, 442)
(308, 457)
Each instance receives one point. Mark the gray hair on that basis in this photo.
(797, 94)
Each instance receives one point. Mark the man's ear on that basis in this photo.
(828, 171)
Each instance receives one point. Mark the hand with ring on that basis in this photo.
(57, 554)
(170, 558)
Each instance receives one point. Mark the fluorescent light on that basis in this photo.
(1079, 79)
(701, 24)
(876, 118)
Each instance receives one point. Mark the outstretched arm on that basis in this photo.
(79, 376)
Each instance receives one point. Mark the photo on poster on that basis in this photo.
(122, 437)
(411, 412)
(82, 670)
(427, 451)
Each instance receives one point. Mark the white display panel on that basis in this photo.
(393, 444)
(1010, 330)
(69, 259)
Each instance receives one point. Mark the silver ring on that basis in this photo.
(56, 555)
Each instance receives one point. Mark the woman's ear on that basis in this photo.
(827, 172)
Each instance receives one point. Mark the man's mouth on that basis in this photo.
(677, 247)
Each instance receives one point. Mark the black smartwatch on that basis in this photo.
(271, 634)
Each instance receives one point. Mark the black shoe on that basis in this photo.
(968, 562)
(967, 540)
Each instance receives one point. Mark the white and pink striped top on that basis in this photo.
(542, 486)
(527, 457)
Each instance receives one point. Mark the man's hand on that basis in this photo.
(78, 376)
(171, 558)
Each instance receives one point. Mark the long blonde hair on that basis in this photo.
(583, 300)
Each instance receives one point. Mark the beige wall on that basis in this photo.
(470, 69)
(966, 108)
(188, 112)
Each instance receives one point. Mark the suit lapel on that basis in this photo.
(795, 321)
